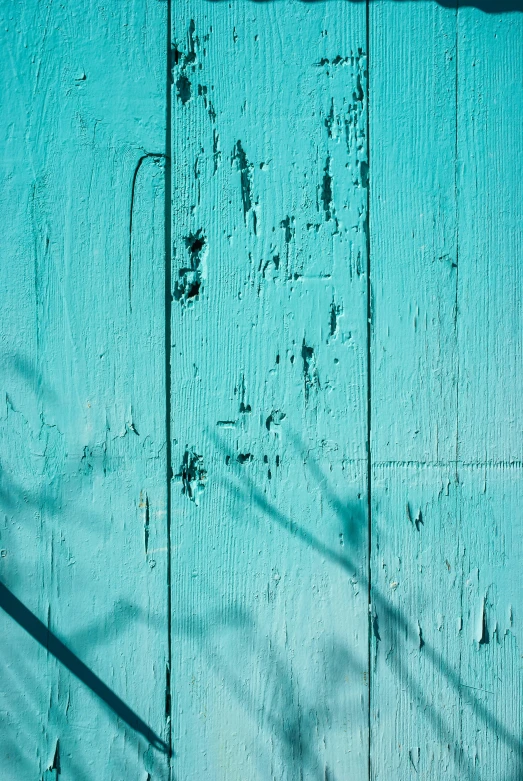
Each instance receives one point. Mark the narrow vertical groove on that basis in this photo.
(456, 473)
(369, 408)
(456, 217)
(168, 370)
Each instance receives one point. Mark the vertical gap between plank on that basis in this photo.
(369, 410)
(456, 344)
(168, 371)
(456, 218)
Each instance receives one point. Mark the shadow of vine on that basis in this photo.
(385, 622)
(25, 500)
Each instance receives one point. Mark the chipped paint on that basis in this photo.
(260, 451)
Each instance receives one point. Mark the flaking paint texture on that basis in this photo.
(261, 356)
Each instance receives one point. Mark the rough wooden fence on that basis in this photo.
(261, 414)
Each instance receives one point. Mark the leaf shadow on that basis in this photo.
(385, 620)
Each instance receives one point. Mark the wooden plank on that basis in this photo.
(446, 553)
(415, 549)
(490, 239)
(270, 604)
(83, 412)
(490, 155)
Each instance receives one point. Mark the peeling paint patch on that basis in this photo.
(311, 379)
(411, 758)
(192, 474)
(288, 226)
(274, 421)
(355, 126)
(335, 62)
(483, 635)
(244, 458)
(418, 520)
(183, 88)
(181, 63)
(245, 169)
(244, 408)
(216, 153)
(330, 120)
(326, 190)
(203, 93)
(336, 311)
(55, 764)
(188, 286)
(265, 266)
(144, 505)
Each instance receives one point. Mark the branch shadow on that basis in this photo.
(385, 618)
(289, 717)
(39, 632)
(43, 498)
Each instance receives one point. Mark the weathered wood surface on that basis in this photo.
(203, 553)
(269, 391)
(83, 408)
(447, 542)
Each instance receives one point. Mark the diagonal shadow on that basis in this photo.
(39, 632)
(393, 617)
(290, 717)
(399, 621)
(12, 495)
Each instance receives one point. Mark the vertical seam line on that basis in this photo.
(456, 342)
(369, 408)
(168, 371)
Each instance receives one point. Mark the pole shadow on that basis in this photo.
(39, 632)
(15, 496)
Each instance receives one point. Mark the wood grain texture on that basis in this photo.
(446, 538)
(258, 506)
(490, 190)
(269, 391)
(83, 409)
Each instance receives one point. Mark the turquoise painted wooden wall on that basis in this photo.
(261, 442)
